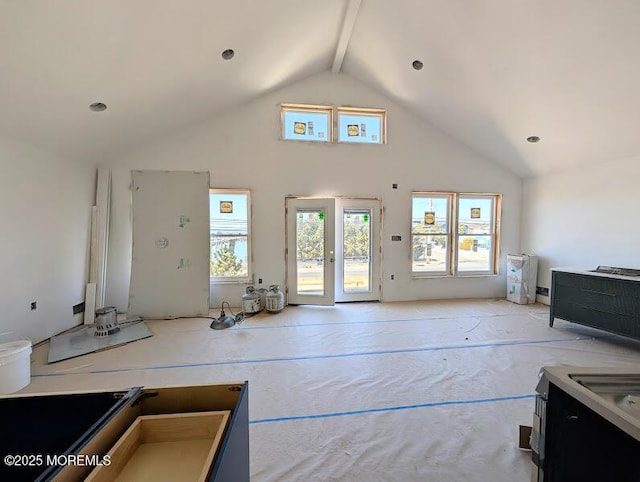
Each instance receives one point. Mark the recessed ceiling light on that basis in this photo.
(98, 107)
(228, 54)
(533, 139)
(417, 65)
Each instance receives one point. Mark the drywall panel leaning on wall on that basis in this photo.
(170, 255)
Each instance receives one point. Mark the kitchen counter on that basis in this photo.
(591, 272)
(566, 378)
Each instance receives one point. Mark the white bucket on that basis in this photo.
(15, 366)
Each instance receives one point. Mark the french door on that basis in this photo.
(333, 250)
(358, 254)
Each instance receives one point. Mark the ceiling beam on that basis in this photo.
(345, 35)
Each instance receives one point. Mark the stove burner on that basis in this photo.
(618, 271)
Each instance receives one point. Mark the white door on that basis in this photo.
(333, 250)
(310, 251)
(358, 253)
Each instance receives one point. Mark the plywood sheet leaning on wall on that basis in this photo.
(170, 255)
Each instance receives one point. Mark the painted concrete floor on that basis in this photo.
(412, 391)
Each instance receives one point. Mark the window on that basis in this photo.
(364, 126)
(230, 235)
(431, 233)
(476, 235)
(306, 122)
(454, 234)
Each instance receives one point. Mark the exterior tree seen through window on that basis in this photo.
(356, 239)
(225, 262)
(230, 235)
(310, 242)
(310, 237)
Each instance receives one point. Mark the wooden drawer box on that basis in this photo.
(88, 425)
(169, 447)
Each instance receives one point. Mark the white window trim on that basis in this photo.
(495, 235)
(233, 279)
(364, 111)
(453, 235)
(325, 109)
(451, 202)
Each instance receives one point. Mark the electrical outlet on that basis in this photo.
(34, 305)
(396, 237)
(541, 290)
(393, 276)
(394, 186)
(259, 281)
(79, 308)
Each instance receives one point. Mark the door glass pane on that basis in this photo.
(474, 253)
(356, 250)
(310, 252)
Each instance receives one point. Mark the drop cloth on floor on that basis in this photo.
(413, 391)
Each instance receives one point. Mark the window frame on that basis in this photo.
(310, 108)
(453, 237)
(234, 279)
(367, 112)
(450, 197)
(496, 204)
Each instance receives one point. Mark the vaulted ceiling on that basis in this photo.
(494, 71)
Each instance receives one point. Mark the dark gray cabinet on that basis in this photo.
(607, 303)
(57, 426)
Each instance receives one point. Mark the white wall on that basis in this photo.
(45, 210)
(242, 150)
(583, 218)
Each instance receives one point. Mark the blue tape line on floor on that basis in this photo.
(397, 320)
(392, 409)
(320, 357)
